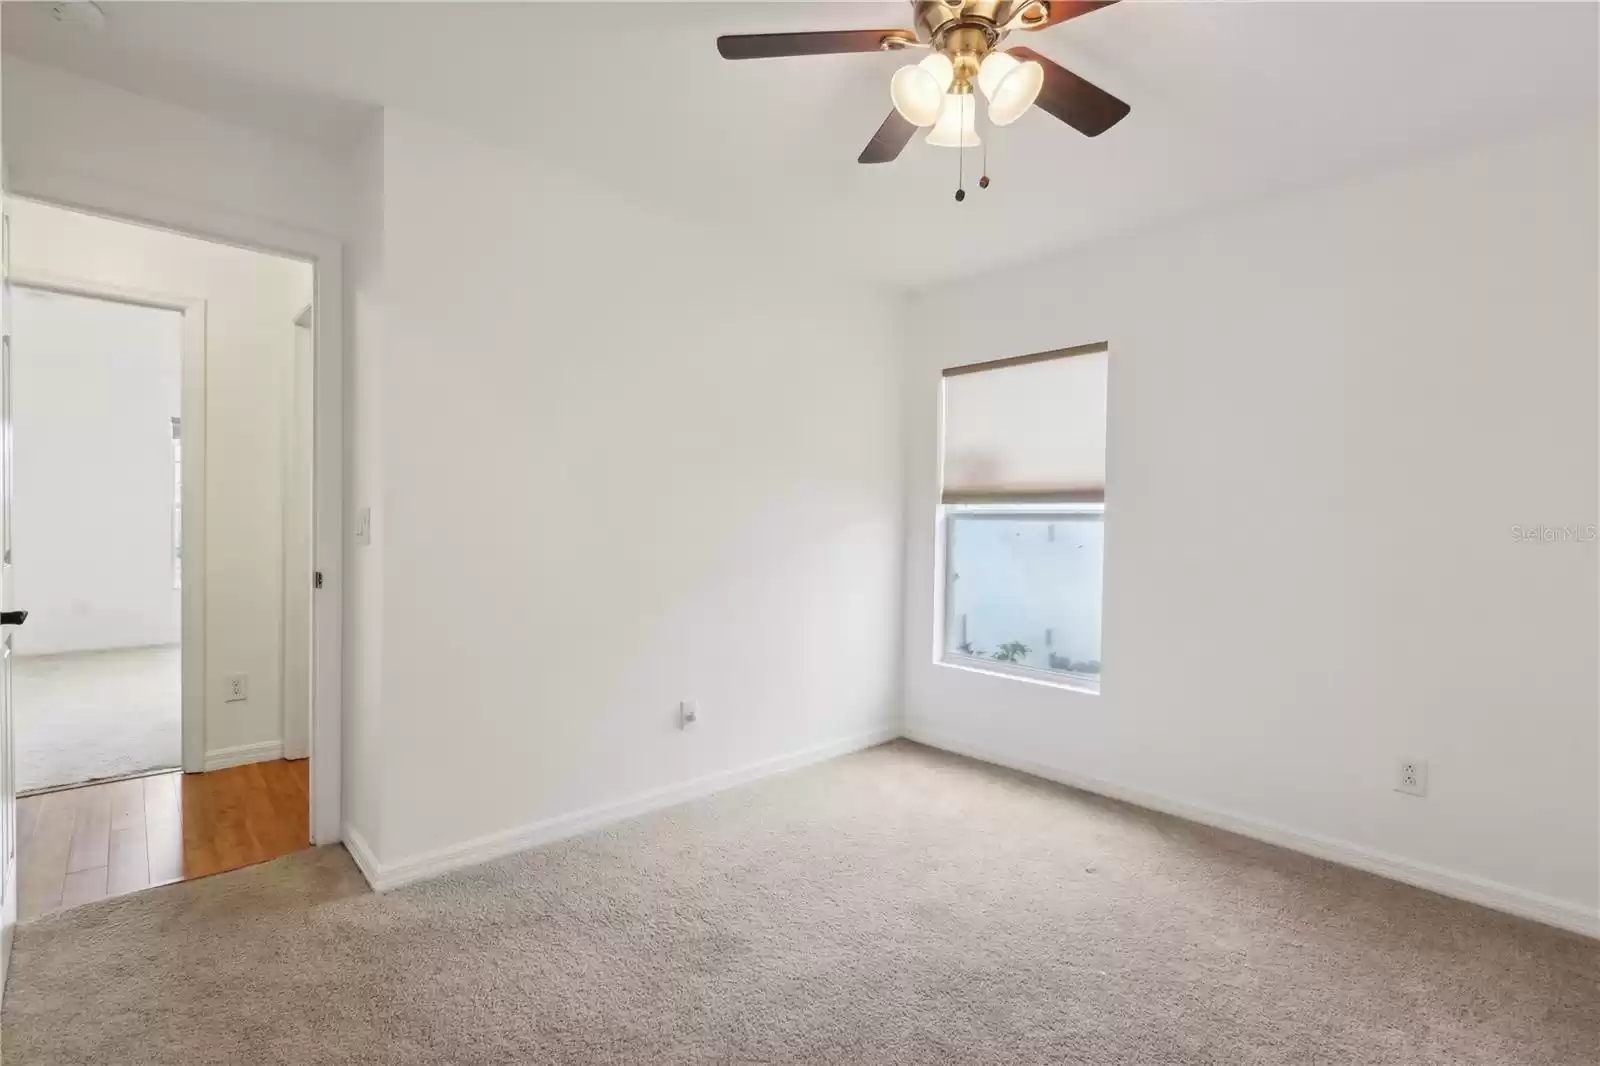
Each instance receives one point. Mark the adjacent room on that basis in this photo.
(97, 534)
(160, 698)
(980, 532)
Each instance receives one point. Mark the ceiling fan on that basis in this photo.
(964, 38)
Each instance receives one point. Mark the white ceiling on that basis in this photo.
(1230, 101)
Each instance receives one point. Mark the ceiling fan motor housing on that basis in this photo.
(968, 30)
(929, 16)
(966, 44)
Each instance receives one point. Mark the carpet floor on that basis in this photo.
(895, 906)
(88, 715)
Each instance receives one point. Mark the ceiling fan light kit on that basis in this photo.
(957, 126)
(965, 57)
(1011, 86)
(918, 89)
(993, 70)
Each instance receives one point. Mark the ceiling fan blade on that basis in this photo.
(825, 42)
(1082, 105)
(1062, 10)
(889, 141)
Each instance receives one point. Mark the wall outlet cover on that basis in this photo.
(238, 688)
(1411, 777)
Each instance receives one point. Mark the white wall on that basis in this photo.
(621, 467)
(251, 302)
(95, 386)
(363, 479)
(72, 139)
(1327, 413)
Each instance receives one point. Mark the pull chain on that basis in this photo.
(961, 153)
(983, 182)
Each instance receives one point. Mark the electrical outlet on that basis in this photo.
(238, 688)
(364, 526)
(1411, 777)
(688, 714)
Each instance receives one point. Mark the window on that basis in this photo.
(1023, 512)
(177, 503)
(1022, 589)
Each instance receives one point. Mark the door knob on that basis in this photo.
(13, 618)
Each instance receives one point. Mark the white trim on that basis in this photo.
(240, 754)
(192, 412)
(1562, 914)
(298, 594)
(385, 877)
(356, 845)
(327, 544)
(192, 653)
(8, 919)
(972, 664)
(101, 194)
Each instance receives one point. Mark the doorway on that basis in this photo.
(96, 500)
(140, 327)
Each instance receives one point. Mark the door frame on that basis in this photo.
(294, 630)
(192, 410)
(96, 194)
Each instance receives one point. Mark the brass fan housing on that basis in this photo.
(930, 16)
(968, 30)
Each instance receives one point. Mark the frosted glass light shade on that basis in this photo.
(1010, 84)
(918, 89)
(995, 66)
(1016, 93)
(958, 123)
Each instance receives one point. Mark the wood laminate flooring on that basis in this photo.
(82, 844)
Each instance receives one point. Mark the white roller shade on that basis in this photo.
(1030, 428)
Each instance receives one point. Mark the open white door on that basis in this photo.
(9, 620)
(8, 774)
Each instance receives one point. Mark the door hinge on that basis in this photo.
(316, 581)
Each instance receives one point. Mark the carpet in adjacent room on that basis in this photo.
(85, 716)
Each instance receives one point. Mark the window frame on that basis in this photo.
(944, 655)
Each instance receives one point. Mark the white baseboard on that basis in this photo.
(356, 845)
(62, 653)
(8, 923)
(386, 876)
(7, 933)
(1493, 894)
(222, 758)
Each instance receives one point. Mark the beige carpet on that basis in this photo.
(897, 906)
(87, 715)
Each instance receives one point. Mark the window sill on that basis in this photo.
(1070, 682)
